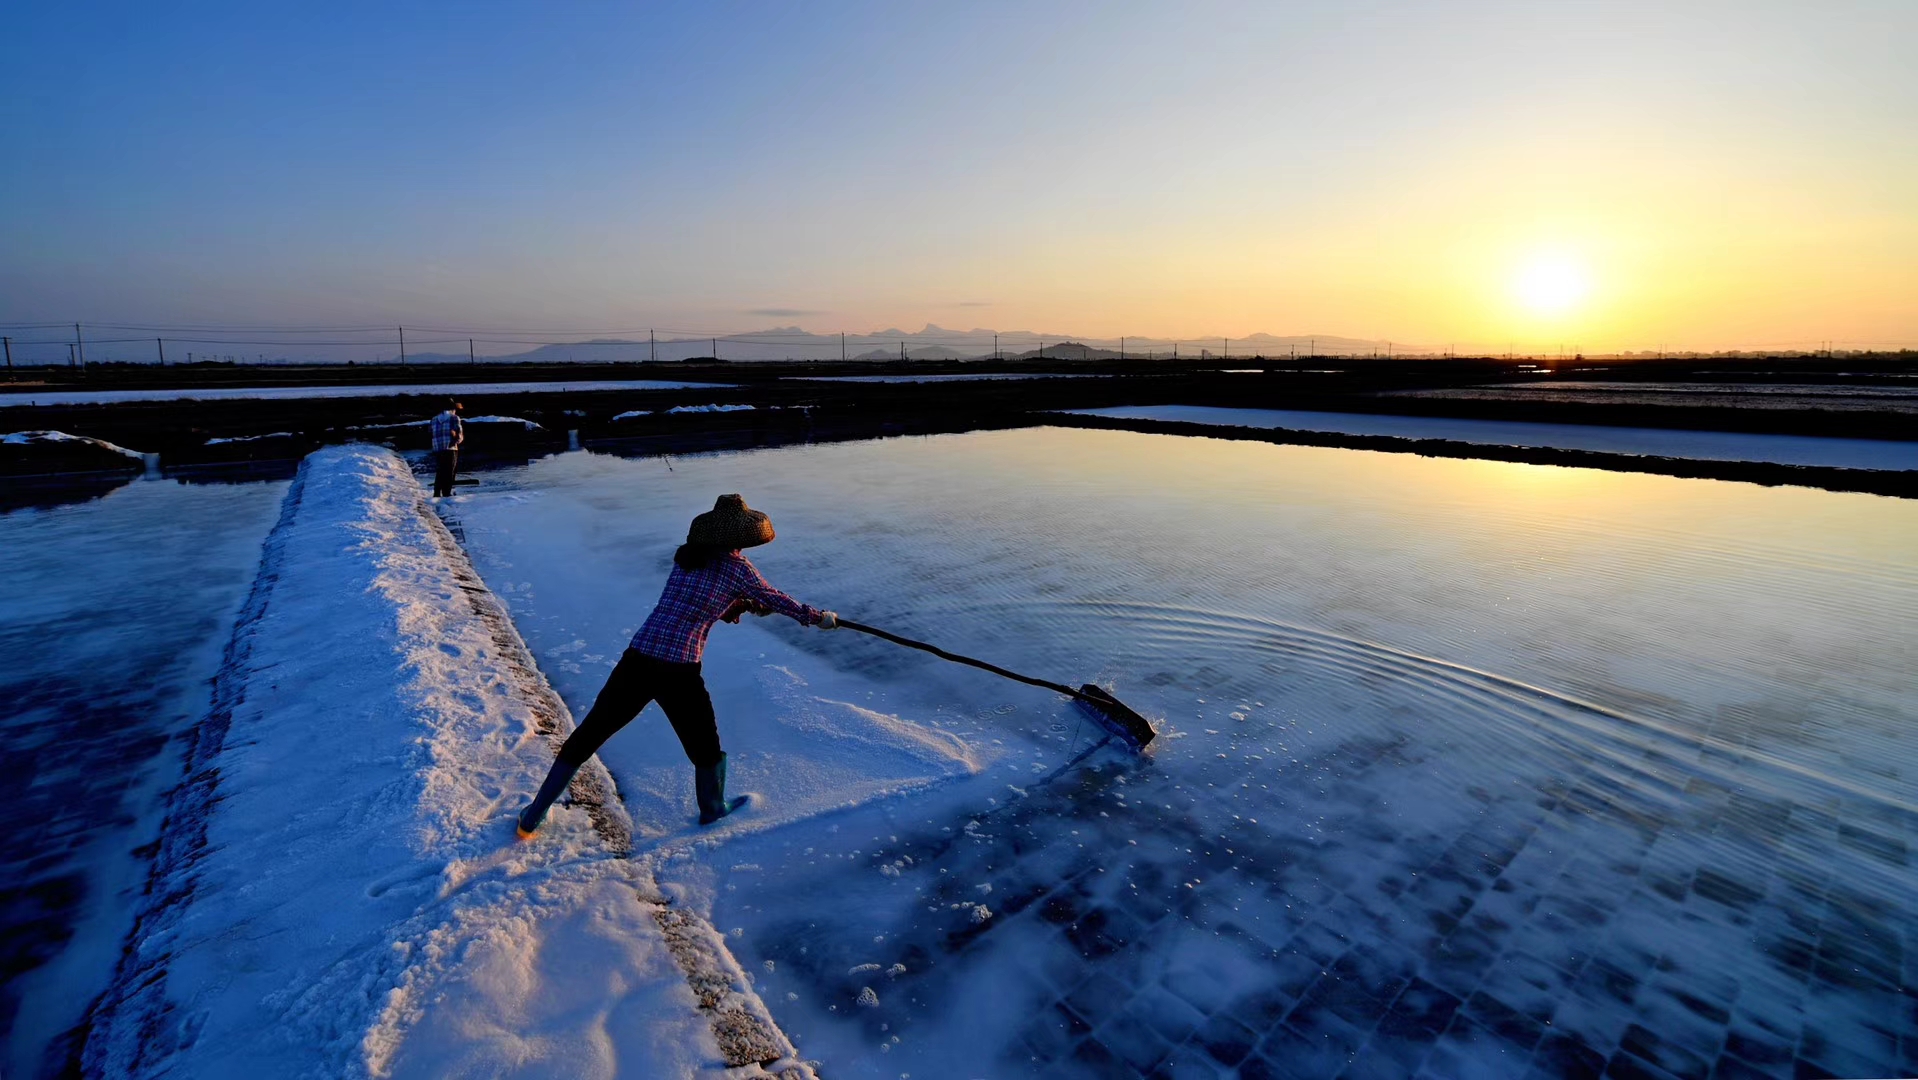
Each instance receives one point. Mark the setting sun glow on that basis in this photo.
(1551, 285)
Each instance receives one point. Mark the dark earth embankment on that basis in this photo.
(1849, 397)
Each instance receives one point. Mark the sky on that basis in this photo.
(1601, 176)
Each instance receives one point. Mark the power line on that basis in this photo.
(752, 342)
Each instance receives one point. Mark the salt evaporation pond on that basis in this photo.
(1466, 768)
(114, 616)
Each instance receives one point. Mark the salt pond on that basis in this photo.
(1466, 767)
(1661, 442)
(113, 620)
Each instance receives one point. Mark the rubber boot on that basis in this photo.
(709, 787)
(549, 793)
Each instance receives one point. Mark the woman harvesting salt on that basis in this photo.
(710, 581)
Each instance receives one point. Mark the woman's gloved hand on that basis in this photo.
(828, 620)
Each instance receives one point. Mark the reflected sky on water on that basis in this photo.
(1470, 767)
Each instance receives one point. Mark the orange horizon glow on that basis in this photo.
(1485, 177)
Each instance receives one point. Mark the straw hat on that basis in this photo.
(731, 524)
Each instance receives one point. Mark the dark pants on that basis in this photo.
(637, 680)
(447, 461)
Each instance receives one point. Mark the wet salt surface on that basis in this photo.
(113, 620)
(1465, 768)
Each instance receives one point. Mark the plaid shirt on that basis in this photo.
(695, 599)
(447, 431)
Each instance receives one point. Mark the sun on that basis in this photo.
(1551, 285)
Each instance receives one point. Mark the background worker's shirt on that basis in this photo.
(448, 432)
(695, 599)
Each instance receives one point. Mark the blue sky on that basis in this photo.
(1368, 169)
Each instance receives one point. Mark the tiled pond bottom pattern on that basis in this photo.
(1577, 925)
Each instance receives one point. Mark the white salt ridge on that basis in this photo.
(251, 438)
(634, 414)
(359, 905)
(1653, 442)
(520, 420)
(24, 438)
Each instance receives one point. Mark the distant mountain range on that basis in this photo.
(931, 343)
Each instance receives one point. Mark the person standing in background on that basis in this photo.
(448, 434)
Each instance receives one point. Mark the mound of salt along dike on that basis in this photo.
(338, 891)
(41, 452)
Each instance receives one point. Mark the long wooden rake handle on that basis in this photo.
(981, 664)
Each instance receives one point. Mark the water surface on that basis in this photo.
(112, 624)
(1468, 767)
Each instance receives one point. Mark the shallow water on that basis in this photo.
(1465, 767)
(115, 614)
(1839, 397)
(1697, 445)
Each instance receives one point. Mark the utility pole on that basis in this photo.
(902, 352)
(69, 355)
(842, 346)
(8, 343)
(715, 348)
(79, 344)
(1042, 350)
(162, 346)
(469, 352)
(652, 347)
(402, 346)
(1228, 348)
(995, 346)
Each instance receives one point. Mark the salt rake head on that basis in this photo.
(1115, 717)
